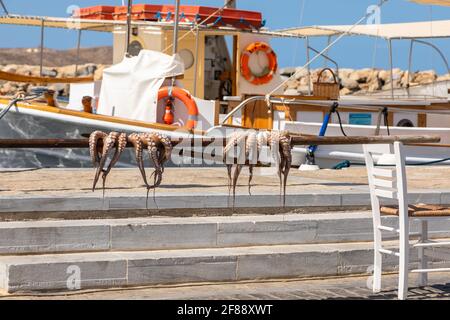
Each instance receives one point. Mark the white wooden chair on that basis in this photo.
(390, 183)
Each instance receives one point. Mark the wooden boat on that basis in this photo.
(237, 103)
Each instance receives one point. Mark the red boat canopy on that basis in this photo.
(241, 19)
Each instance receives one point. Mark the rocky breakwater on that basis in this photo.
(9, 88)
(360, 80)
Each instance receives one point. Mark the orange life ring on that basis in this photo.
(186, 99)
(268, 73)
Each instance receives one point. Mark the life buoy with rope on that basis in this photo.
(268, 72)
(186, 98)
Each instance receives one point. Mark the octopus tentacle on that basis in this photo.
(120, 145)
(152, 140)
(165, 141)
(231, 142)
(138, 145)
(108, 143)
(236, 139)
(251, 146)
(93, 146)
(274, 144)
(285, 145)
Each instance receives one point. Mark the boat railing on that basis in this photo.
(374, 106)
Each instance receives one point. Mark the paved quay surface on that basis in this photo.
(353, 288)
(190, 191)
(196, 180)
(59, 182)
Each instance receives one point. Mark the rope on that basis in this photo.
(297, 42)
(382, 2)
(340, 123)
(14, 101)
(386, 122)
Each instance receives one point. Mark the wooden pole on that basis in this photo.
(128, 36)
(205, 141)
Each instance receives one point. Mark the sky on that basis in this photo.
(351, 52)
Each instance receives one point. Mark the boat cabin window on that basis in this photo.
(405, 123)
(218, 67)
(135, 48)
(187, 57)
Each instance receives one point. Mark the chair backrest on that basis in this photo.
(386, 181)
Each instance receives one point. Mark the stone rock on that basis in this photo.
(350, 84)
(384, 75)
(288, 71)
(345, 91)
(300, 73)
(444, 77)
(424, 77)
(292, 84)
(303, 89)
(345, 72)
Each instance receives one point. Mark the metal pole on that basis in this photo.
(308, 68)
(196, 61)
(409, 65)
(42, 47)
(175, 28)
(78, 52)
(4, 7)
(325, 62)
(230, 4)
(130, 5)
(205, 141)
(391, 65)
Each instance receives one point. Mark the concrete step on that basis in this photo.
(63, 236)
(39, 206)
(77, 271)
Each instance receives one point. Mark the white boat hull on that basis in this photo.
(329, 155)
(27, 123)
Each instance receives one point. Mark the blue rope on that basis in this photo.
(219, 18)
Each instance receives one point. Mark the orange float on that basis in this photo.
(185, 97)
(267, 75)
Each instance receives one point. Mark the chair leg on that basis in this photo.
(404, 259)
(423, 259)
(377, 262)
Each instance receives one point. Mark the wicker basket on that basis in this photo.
(326, 90)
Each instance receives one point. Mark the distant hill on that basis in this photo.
(55, 58)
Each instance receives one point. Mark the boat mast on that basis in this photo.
(175, 28)
(130, 5)
(230, 4)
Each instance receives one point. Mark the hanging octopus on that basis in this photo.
(115, 140)
(285, 160)
(158, 146)
(159, 149)
(237, 138)
(280, 151)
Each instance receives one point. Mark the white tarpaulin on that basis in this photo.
(433, 2)
(130, 88)
(407, 30)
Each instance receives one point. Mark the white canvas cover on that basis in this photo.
(130, 88)
(406, 30)
(434, 2)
